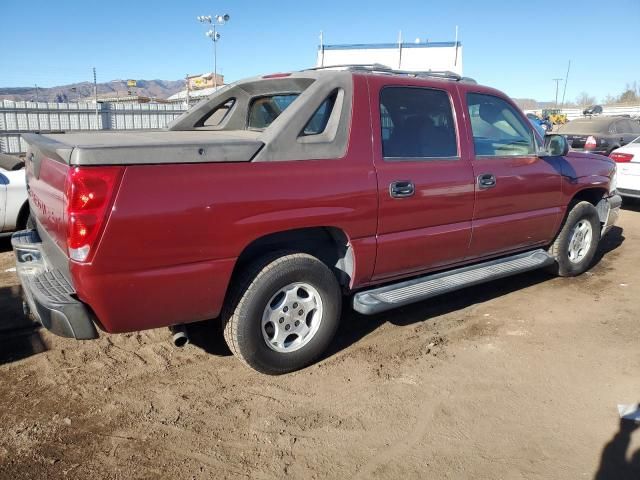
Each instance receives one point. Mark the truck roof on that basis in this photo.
(379, 69)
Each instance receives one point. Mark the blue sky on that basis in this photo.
(516, 46)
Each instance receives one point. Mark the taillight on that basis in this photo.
(620, 157)
(590, 143)
(88, 199)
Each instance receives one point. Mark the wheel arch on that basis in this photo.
(329, 244)
(23, 216)
(596, 197)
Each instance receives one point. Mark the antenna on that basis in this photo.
(557, 80)
(566, 78)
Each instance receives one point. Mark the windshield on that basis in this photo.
(264, 110)
(637, 140)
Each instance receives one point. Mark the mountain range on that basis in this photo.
(84, 90)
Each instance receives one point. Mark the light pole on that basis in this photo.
(215, 20)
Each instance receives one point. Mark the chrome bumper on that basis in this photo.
(47, 293)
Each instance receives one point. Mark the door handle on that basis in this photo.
(486, 180)
(402, 189)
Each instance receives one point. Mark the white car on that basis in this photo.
(628, 160)
(14, 208)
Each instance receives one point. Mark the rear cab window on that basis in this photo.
(264, 110)
(417, 123)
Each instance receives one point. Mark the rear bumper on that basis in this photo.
(47, 293)
(585, 150)
(628, 192)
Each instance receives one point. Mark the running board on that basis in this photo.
(377, 300)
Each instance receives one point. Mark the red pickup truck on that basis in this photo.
(276, 198)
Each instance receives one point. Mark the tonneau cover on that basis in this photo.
(147, 147)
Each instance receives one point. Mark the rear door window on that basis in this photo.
(498, 129)
(417, 123)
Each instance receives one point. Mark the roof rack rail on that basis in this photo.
(379, 68)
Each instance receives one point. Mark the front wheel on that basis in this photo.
(282, 313)
(577, 242)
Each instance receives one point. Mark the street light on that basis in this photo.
(215, 20)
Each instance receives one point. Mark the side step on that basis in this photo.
(379, 299)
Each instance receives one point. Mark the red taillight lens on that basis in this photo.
(88, 198)
(620, 157)
(590, 143)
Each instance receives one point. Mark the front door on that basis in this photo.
(425, 186)
(518, 194)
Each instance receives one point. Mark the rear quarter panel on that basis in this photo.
(175, 232)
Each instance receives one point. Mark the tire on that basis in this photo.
(582, 216)
(256, 297)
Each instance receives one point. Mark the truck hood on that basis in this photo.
(148, 147)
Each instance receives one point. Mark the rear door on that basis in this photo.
(518, 194)
(425, 184)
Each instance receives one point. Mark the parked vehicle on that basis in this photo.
(555, 116)
(628, 160)
(536, 126)
(544, 123)
(592, 110)
(279, 196)
(14, 207)
(600, 134)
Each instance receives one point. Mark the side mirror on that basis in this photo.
(555, 146)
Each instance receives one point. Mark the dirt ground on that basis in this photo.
(516, 379)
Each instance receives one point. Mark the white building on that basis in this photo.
(418, 56)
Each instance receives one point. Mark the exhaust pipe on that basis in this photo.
(180, 336)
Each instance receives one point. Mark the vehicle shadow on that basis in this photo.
(355, 326)
(613, 462)
(208, 336)
(5, 244)
(19, 336)
(631, 204)
(612, 240)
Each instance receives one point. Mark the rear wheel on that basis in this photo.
(282, 313)
(577, 242)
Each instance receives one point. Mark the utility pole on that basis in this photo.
(186, 78)
(37, 111)
(400, 50)
(455, 60)
(95, 95)
(566, 79)
(557, 80)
